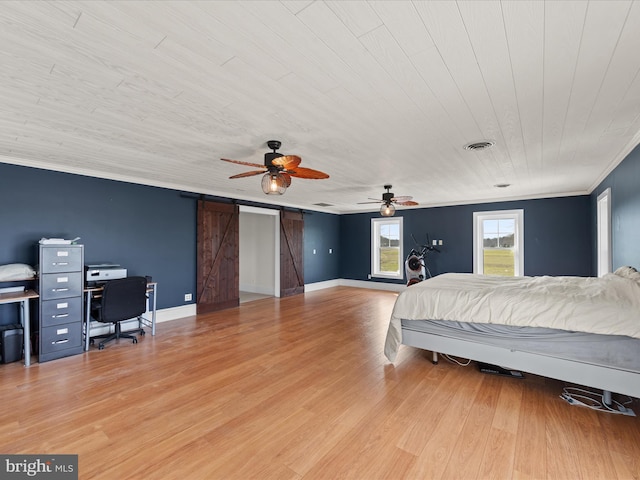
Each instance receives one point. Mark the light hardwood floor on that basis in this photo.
(298, 388)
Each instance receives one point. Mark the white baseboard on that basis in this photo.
(174, 313)
(393, 287)
(344, 282)
(163, 315)
(311, 287)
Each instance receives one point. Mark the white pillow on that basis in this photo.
(16, 271)
(628, 272)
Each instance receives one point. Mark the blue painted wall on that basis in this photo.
(557, 237)
(150, 231)
(624, 182)
(321, 233)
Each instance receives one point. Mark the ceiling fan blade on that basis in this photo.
(401, 199)
(302, 172)
(239, 162)
(375, 201)
(288, 162)
(249, 174)
(407, 203)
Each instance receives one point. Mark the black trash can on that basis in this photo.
(11, 340)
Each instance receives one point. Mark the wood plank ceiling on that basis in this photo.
(371, 92)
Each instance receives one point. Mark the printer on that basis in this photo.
(103, 272)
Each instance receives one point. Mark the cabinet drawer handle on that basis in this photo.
(62, 315)
(60, 264)
(58, 342)
(60, 289)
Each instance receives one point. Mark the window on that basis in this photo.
(386, 248)
(498, 243)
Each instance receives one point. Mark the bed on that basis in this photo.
(581, 330)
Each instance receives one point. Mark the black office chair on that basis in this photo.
(122, 299)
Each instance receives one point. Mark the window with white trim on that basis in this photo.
(498, 243)
(386, 248)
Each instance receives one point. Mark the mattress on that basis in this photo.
(612, 351)
(609, 305)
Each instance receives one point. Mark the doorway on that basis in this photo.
(259, 253)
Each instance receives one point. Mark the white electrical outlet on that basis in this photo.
(439, 242)
(187, 297)
(331, 250)
(314, 251)
(435, 242)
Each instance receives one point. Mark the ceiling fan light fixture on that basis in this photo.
(273, 183)
(277, 170)
(387, 209)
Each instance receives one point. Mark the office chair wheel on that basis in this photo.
(135, 340)
(142, 332)
(100, 347)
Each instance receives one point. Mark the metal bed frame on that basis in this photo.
(607, 379)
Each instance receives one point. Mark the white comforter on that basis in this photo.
(609, 305)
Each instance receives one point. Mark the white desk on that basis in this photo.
(90, 292)
(25, 319)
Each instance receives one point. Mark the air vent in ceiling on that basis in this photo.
(479, 145)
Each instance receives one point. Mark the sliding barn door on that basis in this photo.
(291, 254)
(218, 247)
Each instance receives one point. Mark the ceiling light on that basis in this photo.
(387, 209)
(273, 183)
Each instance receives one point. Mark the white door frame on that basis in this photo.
(603, 237)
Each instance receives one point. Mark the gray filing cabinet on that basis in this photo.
(60, 285)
